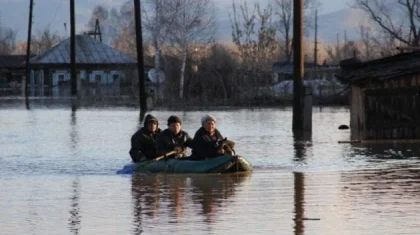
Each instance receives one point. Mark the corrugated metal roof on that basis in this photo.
(88, 51)
(381, 69)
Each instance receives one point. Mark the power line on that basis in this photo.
(55, 14)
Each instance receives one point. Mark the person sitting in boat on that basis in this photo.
(207, 140)
(143, 141)
(173, 139)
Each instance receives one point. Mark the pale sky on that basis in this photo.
(53, 13)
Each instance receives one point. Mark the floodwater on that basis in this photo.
(57, 176)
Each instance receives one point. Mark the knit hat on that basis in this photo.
(207, 118)
(150, 118)
(174, 119)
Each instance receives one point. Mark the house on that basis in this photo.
(99, 67)
(319, 79)
(11, 71)
(384, 96)
(284, 71)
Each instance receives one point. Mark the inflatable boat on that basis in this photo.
(220, 164)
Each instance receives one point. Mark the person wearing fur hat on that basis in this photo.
(205, 139)
(173, 139)
(143, 141)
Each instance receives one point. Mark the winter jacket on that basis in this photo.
(205, 144)
(143, 141)
(166, 141)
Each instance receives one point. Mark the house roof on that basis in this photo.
(89, 53)
(353, 71)
(12, 61)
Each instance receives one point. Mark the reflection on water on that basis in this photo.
(302, 183)
(299, 187)
(388, 150)
(211, 192)
(401, 182)
(171, 196)
(389, 197)
(302, 144)
(75, 218)
(73, 133)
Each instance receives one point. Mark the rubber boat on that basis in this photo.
(220, 164)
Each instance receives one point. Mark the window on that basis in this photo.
(98, 78)
(61, 77)
(115, 77)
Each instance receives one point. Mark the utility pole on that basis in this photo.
(345, 37)
(65, 29)
(156, 43)
(73, 75)
(338, 47)
(298, 66)
(140, 63)
(28, 53)
(316, 40)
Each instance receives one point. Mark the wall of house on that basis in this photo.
(96, 76)
(357, 112)
(408, 81)
(388, 110)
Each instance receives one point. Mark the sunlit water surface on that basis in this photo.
(57, 176)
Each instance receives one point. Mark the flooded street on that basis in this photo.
(58, 176)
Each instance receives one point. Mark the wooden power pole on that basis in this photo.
(73, 75)
(28, 53)
(140, 63)
(316, 40)
(298, 66)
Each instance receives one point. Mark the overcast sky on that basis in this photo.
(53, 13)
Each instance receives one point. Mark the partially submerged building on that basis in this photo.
(12, 69)
(98, 65)
(384, 96)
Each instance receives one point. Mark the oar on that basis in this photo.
(165, 155)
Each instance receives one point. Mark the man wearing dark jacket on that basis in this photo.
(143, 141)
(205, 139)
(173, 139)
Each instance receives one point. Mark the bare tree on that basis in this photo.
(399, 19)
(122, 21)
(193, 23)
(44, 40)
(7, 40)
(376, 43)
(367, 42)
(339, 52)
(283, 10)
(20, 47)
(255, 37)
(156, 21)
(255, 47)
(220, 66)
